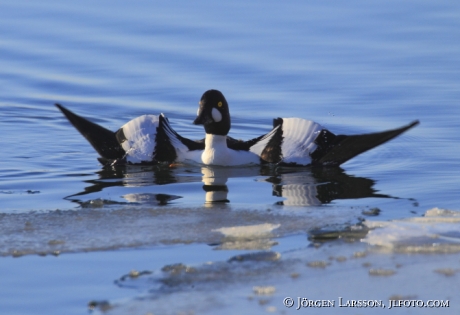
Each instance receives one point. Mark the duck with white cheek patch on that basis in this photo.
(150, 139)
(214, 115)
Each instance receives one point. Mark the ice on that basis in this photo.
(438, 231)
(99, 227)
(248, 236)
(259, 282)
(248, 231)
(278, 264)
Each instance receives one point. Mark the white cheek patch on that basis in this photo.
(216, 115)
(198, 111)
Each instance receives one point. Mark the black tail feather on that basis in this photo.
(103, 140)
(335, 150)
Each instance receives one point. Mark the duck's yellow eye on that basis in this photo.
(219, 104)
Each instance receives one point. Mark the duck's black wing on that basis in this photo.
(104, 141)
(333, 150)
(267, 147)
(300, 142)
(147, 139)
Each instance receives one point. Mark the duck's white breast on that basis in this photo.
(216, 152)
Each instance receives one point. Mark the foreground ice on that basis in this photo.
(328, 275)
(277, 261)
(102, 228)
(319, 280)
(438, 231)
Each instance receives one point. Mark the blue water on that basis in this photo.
(354, 67)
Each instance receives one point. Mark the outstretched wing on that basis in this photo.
(297, 141)
(147, 139)
(335, 150)
(299, 137)
(267, 146)
(138, 139)
(103, 140)
(289, 142)
(151, 139)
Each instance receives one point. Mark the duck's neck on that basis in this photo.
(215, 150)
(215, 142)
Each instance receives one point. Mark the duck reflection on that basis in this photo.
(215, 181)
(296, 186)
(129, 176)
(215, 185)
(316, 186)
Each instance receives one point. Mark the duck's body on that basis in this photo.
(150, 139)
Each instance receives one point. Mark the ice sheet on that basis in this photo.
(438, 231)
(94, 229)
(260, 282)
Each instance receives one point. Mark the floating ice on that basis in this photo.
(438, 231)
(248, 237)
(95, 228)
(249, 231)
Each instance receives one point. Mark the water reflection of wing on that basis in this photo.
(336, 184)
(316, 186)
(299, 186)
(134, 176)
(150, 199)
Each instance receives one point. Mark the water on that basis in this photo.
(356, 67)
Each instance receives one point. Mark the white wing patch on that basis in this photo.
(140, 134)
(262, 143)
(298, 140)
(141, 139)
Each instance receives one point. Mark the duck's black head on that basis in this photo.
(213, 113)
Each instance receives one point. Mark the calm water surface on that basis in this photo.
(356, 67)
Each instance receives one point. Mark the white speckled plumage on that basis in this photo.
(140, 134)
(298, 140)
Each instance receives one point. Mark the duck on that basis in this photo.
(150, 139)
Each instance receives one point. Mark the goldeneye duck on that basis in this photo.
(150, 139)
